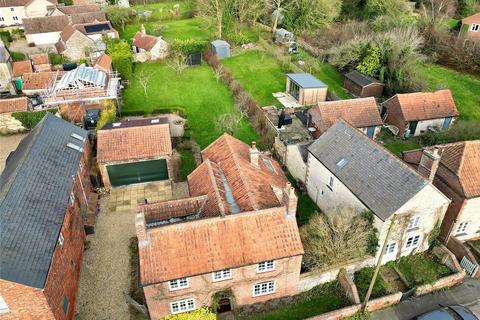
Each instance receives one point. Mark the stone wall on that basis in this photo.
(348, 286)
(447, 257)
(460, 250)
(441, 283)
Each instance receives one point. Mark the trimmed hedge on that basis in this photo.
(29, 119)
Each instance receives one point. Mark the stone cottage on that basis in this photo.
(146, 47)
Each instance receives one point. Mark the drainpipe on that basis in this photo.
(83, 190)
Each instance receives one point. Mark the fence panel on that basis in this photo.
(470, 267)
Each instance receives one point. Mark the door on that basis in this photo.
(371, 131)
(137, 172)
(294, 90)
(446, 123)
(413, 127)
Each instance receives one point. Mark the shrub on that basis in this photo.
(238, 38)
(121, 55)
(30, 119)
(461, 131)
(200, 314)
(108, 114)
(372, 63)
(56, 58)
(188, 46)
(5, 37)
(18, 56)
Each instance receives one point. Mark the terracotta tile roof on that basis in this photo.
(37, 80)
(41, 58)
(44, 24)
(21, 67)
(360, 113)
(104, 63)
(13, 105)
(89, 17)
(460, 158)
(145, 42)
(425, 105)
(13, 3)
(60, 47)
(475, 18)
(131, 142)
(156, 213)
(205, 245)
(67, 32)
(229, 167)
(71, 10)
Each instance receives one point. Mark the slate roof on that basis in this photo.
(380, 180)
(22, 67)
(361, 79)
(44, 24)
(306, 80)
(360, 113)
(206, 245)
(134, 140)
(34, 194)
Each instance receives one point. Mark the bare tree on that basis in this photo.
(177, 62)
(434, 13)
(144, 80)
(277, 7)
(213, 9)
(229, 122)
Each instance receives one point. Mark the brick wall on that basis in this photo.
(383, 302)
(348, 286)
(441, 283)
(394, 115)
(202, 288)
(339, 313)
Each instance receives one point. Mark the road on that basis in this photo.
(467, 293)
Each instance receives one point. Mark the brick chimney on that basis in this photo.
(254, 154)
(141, 229)
(429, 163)
(142, 30)
(290, 200)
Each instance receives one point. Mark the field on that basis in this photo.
(259, 73)
(195, 92)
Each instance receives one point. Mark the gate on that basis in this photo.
(470, 267)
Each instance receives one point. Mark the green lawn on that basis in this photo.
(422, 268)
(195, 92)
(306, 207)
(362, 281)
(465, 88)
(395, 144)
(321, 299)
(195, 28)
(333, 78)
(259, 73)
(161, 10)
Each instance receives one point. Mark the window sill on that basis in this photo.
(265, 271)
(178, 289)
(413, 229)
(220, 280)
(330, 188)
(263, 294)
(461, 234)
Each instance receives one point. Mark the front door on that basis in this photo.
(371, 131)
(413, 127)
(224, 305)
(446, 123)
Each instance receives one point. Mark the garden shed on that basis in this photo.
(362, 85)
(306, 89)
(221, 48)
(284, 35)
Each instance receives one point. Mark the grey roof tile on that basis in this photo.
(361, 79)
(306, 80)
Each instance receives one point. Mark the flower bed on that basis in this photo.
(362, 281)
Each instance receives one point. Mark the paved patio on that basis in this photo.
(106, 264)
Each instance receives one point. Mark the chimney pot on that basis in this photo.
(254, 154)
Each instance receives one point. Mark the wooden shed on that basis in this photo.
(306, 89)
(363, 86)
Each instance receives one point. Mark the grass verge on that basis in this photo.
(422, 268)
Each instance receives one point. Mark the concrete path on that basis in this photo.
(467, 293)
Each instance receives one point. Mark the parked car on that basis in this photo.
(91, 118)
(452, 312)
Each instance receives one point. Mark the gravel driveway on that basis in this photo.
(106, 263)
(7, 145)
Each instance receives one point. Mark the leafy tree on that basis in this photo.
(372, 63)
(467, 7)
(119, 16)
(215, 9)
(308, 15)
(395, 8)
(121, 55)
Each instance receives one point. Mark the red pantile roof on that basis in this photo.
(360, 113)
(425, 105)
(41, 58)
(229, 166)
(475, 18)
(21, 67)
(205, 245)
(145, 42)
(67, 32)
(173, 209)
(13, 105)
(37, 80)
(134, 140)
(104, 63)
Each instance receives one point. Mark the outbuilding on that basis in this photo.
(221, 49)
(306, 89)
(134, 151)
(283, 35)
(362, 85)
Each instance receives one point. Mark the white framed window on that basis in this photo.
(266, 266)
(12, 9)
(390, 248)
(178, 284)
(61, 240)
(182, 306)
(261, 289)
(72, 198)
(3, 306)
(330, 183)
(2, 19)
(222, 275)
(462, 227)
(15, 18)
(412, 242)
(414, 223)
(475, 27)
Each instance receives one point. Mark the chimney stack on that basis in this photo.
(429, 163)
(254, 154)
(142, 30)
(141, 229)
(290, 200)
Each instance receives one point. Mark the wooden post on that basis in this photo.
(379, 263)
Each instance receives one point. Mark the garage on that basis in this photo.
(137, 172)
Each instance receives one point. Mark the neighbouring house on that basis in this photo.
(22, 67)
(37, 83)
(471, 27)
(361, 113)
(40, 62)
(363, 86)
(417, 113)
(221, 48)
(82, 41)
(134, 151)
(235, 240)
(146, 47)
(42, 195)
(454, 169)
(104, 63)
(12, 12)
(14, 105)
(345, 168)
(306, 89)
(6, 72)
